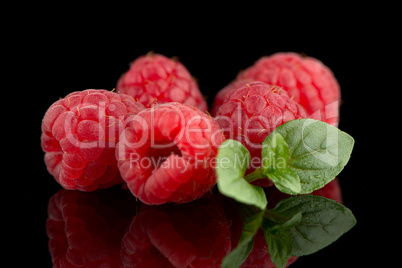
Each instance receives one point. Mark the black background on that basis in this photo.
(60, 61)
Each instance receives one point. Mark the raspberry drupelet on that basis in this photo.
(79, 136)
(224, 94)
(154, 78)
(166, 153)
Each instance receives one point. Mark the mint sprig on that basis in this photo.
(299, 156)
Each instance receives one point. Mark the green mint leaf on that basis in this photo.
(275, 156)
(323, 221)
(280, 245)
(251, 223)
(275, 153)
(317, 151)
(286, 180)
(232, 161)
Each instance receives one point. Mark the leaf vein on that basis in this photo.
(313, 152)
(298, 231)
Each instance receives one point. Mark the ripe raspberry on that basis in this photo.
(252, 112)
(86, 229)
(165, 153)
(195, 234)
(154, 78)
(307, 80)
(79, 136)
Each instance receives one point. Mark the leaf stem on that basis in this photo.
(257, 174)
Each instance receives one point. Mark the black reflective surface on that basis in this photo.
(110, 228)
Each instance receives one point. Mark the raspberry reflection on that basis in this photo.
(86, 229)
(195, 234)
(109, 228)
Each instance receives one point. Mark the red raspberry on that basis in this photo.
(195, 234)
(166, 153)
(154, 78)
(86, 229)
(252, 112)
(79, 136)
(307, 80)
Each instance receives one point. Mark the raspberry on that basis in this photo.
(86, 229)
(166, 153)
(252, 112)
(195, 234)
(79, 136)
(307, 80)
(154, 78)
